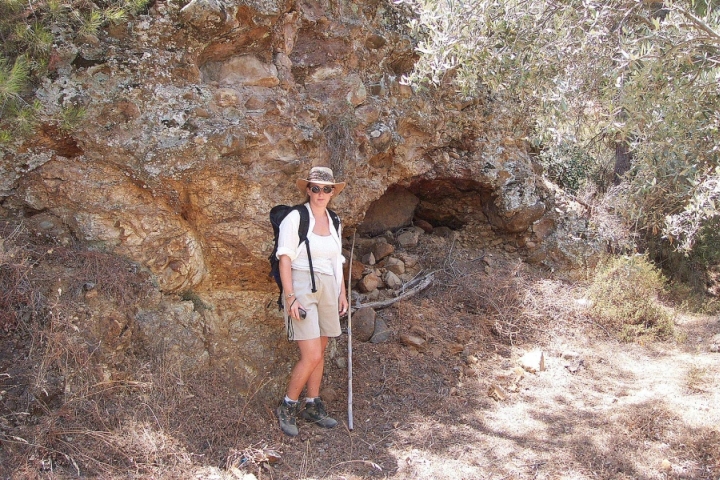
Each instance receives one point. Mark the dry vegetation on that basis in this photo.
(457, 408)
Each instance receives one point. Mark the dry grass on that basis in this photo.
(515, 303)
(63, 408)
(20, 302)
(699, 379)
(65, 411)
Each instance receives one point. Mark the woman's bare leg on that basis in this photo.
(313, 383)
(305, 372)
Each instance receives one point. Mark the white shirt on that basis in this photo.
(324, 251)
(325, 257)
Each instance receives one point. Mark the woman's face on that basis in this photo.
(320, 195)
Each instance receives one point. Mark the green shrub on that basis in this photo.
(12, 78)
(71, 117)
(572, 166)
(625, 294)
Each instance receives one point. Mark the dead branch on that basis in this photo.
(420, 285)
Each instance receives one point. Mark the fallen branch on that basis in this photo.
(409, 285)
(421, 285)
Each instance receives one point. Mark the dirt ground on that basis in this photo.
(460, 407)
(457, 407)
(628, 411)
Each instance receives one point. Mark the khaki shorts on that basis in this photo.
(322, 318)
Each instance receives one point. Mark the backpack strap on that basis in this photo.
(303, 233)
(335, 219)
(304, 222)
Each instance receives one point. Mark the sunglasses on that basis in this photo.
(325, 189)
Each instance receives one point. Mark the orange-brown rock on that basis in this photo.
(201, 119)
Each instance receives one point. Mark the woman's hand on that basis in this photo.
(291, 302)
(342, 304)
(294, 310)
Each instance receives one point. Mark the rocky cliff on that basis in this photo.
(199, 118)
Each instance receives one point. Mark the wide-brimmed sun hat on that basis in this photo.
(320, 176)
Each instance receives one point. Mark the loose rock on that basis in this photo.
(408, 239)
(497, 393)
(395, 265)
(392, 281)
(412, 341)
(382, 332)
(382, 250)
(533, 361)
(368, 283)
(363, 324)
(369, 259)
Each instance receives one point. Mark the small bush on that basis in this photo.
(71, 117)
(625, 294)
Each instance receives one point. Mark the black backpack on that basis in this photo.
(277, 214)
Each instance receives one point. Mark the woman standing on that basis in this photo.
(311, 317)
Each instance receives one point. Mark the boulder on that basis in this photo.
(369, 283)
(363, 324)
(395, 209)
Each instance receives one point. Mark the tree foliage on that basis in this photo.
(589, 75)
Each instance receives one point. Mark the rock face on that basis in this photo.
(199, 120)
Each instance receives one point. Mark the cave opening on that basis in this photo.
(438, 202)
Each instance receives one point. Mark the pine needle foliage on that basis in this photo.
(12, 79)
(29, 31)
(71, 118)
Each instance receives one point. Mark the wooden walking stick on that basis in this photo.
(350, 392)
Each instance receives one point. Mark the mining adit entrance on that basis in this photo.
(449, 202)
(390, 257)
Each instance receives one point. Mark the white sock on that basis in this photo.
(290, 400)
(310, 399)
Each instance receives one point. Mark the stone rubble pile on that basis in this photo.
(383, 264)
(382, 267)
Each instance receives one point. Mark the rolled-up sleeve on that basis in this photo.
(288, 238)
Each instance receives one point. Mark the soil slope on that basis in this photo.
(457, 406)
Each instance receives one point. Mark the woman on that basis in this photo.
(311, 317)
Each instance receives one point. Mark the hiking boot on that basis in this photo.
(314, 412)
(286, 413)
